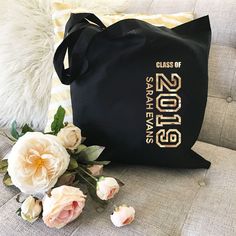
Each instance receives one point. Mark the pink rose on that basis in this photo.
(107, 187)
(123, 215)
(96, 169)
(63, 206)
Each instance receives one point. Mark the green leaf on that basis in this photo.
(73, 164)
(18, 212)
(119, 182)
(26, 128)
(18, 198)
(4, 134)
(14, 132)
(57, 123)
(99, 162)
(7, 180)
(3, 166)
(80, 148)
(90, 153)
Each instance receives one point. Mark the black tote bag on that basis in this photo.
(137, 89)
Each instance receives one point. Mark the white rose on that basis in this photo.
(123, 215)
(63, 206)
(31, 209)
(70, 136)
(107, 187)
(36, 162)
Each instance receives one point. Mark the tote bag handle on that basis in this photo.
(79, 30)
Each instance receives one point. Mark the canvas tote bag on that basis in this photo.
(138, 89)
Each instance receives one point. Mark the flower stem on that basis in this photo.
(87, 173)
(86, 180)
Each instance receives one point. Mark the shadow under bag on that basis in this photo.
(138, 89)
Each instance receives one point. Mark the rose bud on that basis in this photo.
(31, 209)
(70, 136)
(107, 187)
(123, 215)
(96, 169)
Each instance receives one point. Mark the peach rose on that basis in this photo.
(36, 162)
(96, 169)
(107, 188)
(63, 206)
(123, 215)
(70, 136)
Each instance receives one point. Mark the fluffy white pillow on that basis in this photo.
(26, 52)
